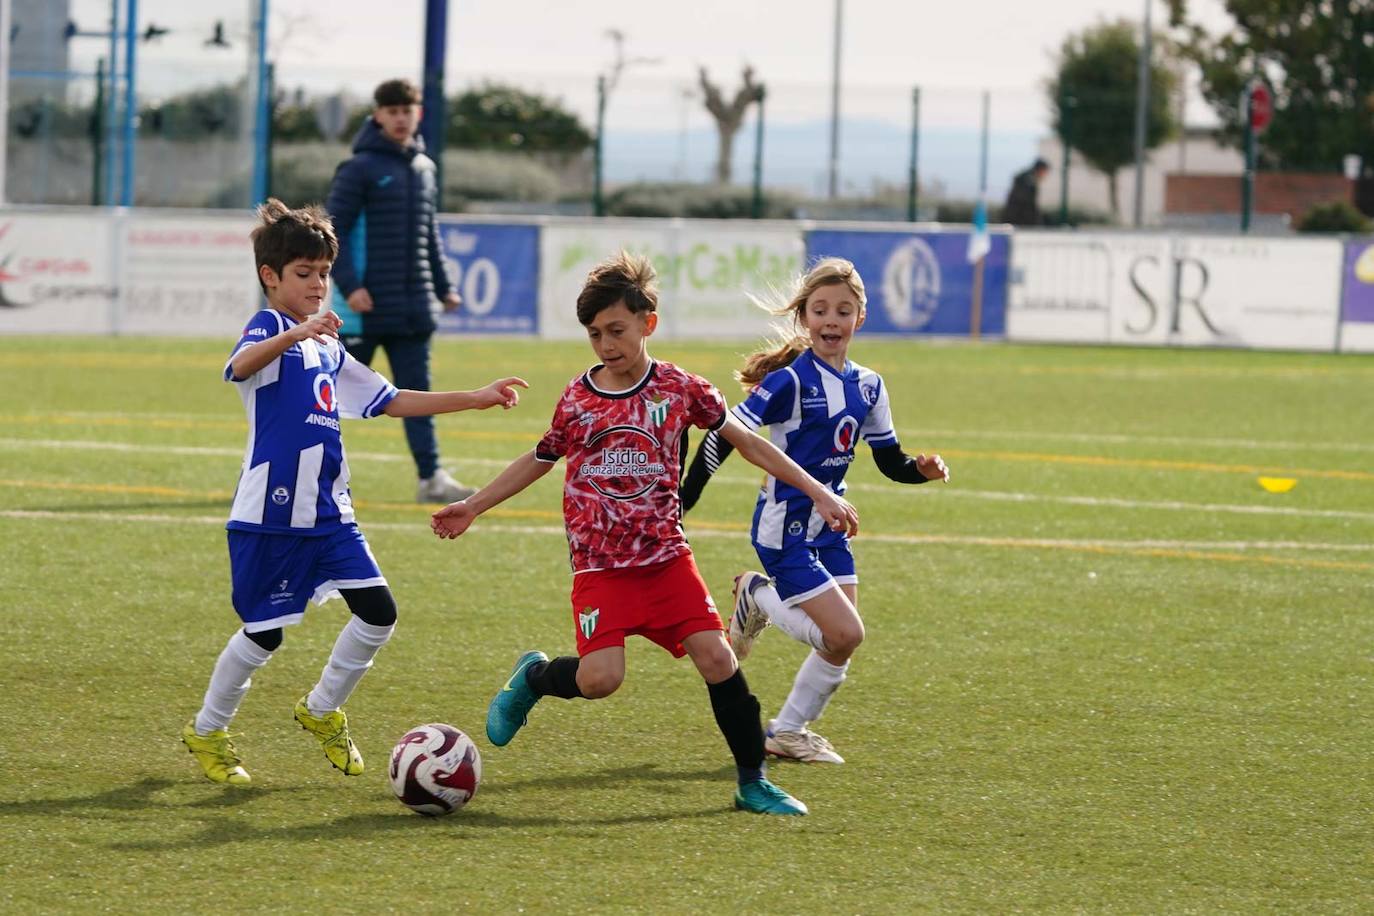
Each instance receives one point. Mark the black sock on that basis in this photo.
(737, 714)
(554, 678)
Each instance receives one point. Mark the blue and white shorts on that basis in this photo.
(801, 573)
(274, 575)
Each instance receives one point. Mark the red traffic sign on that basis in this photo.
(1260, 106)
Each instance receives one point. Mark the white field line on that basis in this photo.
(738, 480)
(901, 539)
(940, 436)
(926, 437)
(207, 451)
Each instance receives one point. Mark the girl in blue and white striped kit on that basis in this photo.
(817, 404)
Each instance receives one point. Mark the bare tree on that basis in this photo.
(729, 116)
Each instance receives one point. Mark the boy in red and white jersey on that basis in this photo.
(621, 426)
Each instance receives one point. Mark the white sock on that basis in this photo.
(232, 677)
(353, 651)
(816, 683)
(789, 618)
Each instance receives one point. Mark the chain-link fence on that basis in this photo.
(673, 140)
(195, 76)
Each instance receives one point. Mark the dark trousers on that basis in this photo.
(409, 358)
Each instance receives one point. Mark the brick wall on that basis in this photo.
(1293, 193)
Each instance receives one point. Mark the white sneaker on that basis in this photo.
(747, 620)
(442, 488)
(805, 745)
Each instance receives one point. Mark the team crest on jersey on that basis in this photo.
(658, 409)
(844, 434)
(586, 621)
(794, 528)
(281, 496)
(324, 392)
(870, 393)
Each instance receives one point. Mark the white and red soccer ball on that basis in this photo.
(435, 769)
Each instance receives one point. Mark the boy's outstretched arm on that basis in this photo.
(454, 519)
(408, 403)
(836, 511)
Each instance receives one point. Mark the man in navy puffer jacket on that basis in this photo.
(383, 202)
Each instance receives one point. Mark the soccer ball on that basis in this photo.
(435, 769)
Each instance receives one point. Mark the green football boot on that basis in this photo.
(332, 732)
(512, 704)
(762, 797)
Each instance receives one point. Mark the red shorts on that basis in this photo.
(665, 603)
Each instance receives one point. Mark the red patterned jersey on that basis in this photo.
(624, 454)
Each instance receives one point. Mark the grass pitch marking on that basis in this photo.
(729, 479)
(1205, 551)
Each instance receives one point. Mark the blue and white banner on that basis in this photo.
(921, 282)
(495, 269)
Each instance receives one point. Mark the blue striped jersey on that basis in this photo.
(294, 478)
(816, 415)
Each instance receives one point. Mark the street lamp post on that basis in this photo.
(1142, 104)
(835, 104)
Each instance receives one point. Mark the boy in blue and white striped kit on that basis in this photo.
(292, 534)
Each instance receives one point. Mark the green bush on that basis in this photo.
(696, 201)
(485, 175)
(1335, 216)
(961, 211)
(301, 172)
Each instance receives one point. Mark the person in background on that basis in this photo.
(1022, 207)
(383, 202)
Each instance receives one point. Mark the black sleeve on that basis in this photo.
(714, 449)
(898, 465)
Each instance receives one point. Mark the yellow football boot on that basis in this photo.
(216, 755)
(332, 733)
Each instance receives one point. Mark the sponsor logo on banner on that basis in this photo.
(495, 271)
(911, 284)
(708, 272)
(34, 271)
(1358, 301)
(921, 282)
(1174, 290)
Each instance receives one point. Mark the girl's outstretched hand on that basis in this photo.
(933, 467)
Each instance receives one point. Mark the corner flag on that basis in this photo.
(979, 243)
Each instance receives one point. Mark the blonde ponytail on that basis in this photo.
(793, 340)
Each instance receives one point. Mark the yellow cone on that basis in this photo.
(1278, 484)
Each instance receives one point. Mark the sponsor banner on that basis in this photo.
(920, 282)
(495, 269)
(1357, 301)
(188, 275)
(1357, 297)
(707, 272)
(55, 274)
(1231, 291)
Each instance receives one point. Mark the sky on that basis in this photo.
(560, 45)
(953, 51)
